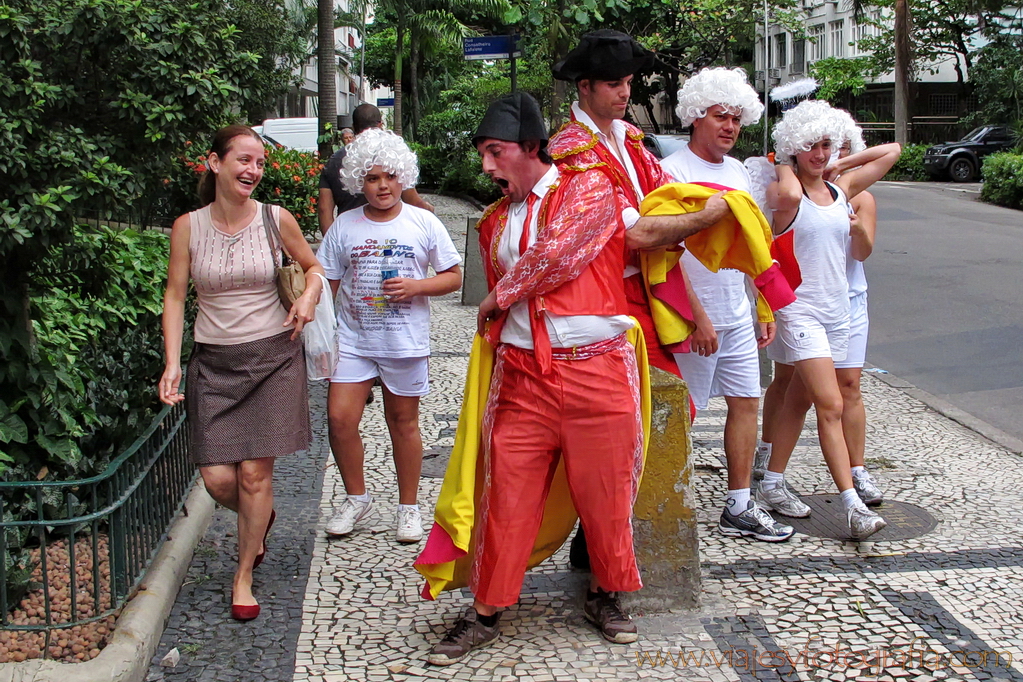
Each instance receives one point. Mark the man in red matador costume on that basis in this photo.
(602, 67)
(565, 396)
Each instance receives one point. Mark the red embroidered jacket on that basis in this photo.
(575, 265)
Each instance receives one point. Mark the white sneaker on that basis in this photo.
(350, 513)
(410, 525)
(863, 523)
(781, 500)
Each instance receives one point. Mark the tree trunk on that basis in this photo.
(903, 67)
(413, 78)
(399, 48)
(326, 70)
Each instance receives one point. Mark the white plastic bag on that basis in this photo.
(320, 337)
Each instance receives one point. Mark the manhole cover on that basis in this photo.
(827, 519)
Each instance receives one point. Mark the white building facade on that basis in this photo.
(831, 30)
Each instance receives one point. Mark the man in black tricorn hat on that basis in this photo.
(602, 67)
(565, 386)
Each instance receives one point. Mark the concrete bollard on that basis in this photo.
(474, 280)
(664, 517)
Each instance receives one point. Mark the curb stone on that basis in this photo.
(126, 658)
(947, 409)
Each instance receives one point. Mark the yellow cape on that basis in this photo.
(447, 557)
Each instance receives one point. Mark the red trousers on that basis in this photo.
(586, 411)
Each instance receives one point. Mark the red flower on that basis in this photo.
(277, 191)
(296, 178)
(276, 166)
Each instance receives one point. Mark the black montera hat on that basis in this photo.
(513, 118)
(604, 55)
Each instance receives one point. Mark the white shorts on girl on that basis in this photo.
(859, 326)
(804, 337)
(733, 371)
(409, 377)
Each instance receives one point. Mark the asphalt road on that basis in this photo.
(946, 298)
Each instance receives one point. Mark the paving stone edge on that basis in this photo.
(127, 657)
(947, 409)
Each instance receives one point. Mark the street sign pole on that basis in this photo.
(511, 41)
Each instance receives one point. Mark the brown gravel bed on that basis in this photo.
(78, 643)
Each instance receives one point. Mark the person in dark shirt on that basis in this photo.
(332, 192)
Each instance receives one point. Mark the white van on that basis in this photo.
(293, 133)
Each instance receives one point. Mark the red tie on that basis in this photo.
(537, 322)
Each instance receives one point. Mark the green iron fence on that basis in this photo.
(119, 518)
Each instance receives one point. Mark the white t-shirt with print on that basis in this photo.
(722, 294)
(368, 324)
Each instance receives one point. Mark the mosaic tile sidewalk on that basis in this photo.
(944, 606)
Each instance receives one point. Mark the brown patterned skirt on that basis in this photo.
(247, 401)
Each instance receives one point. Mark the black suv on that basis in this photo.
(961, 160)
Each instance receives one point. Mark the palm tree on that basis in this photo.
(428, 20)
(903, 70)
(326, 69)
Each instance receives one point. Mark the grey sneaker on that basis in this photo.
(866, 488)
(754, 521)
(863, 523)
(468, 634)
(761, 458)
(350, 513)
(781, 500)
(605, 611)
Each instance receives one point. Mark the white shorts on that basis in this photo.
(859, 326)
(804, 337)
(402, 376)
(733, 371)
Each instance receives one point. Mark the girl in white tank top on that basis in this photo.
(816, 211)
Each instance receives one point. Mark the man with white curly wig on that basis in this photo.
(379, 256)
(812, 226)
(724, 359)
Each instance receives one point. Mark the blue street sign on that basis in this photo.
(489, 47)
(385, 101)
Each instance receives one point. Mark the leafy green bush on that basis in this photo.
(90, 388)
(290, 179)
(98, 351)
(1003, 179)
(910, 165)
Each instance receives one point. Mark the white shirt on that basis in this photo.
(368, 324)
(630, 216)
(723, 294)
(565, 331)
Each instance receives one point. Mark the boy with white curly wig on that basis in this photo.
(724, 360)
(812, 224)
(383, 324)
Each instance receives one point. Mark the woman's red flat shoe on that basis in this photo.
(259, 557)
(243, 613)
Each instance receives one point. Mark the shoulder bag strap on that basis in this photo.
(272, 231)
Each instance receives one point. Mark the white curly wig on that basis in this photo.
(852, 133)
(727, 87)
(378, 147)
(803, 126)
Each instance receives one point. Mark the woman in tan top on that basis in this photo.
(246, 389)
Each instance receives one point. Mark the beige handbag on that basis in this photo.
(290, 276)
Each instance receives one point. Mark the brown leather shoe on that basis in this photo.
(468, 634)
(604, 610)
